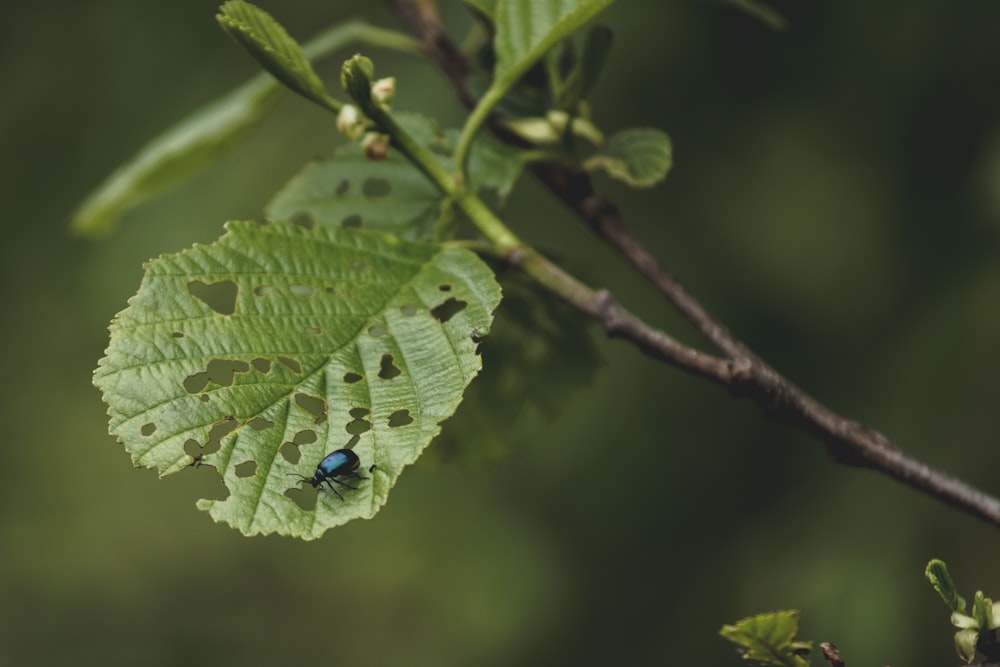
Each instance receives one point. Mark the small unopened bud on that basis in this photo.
(375, 146)
(383, 91)
(350, 122)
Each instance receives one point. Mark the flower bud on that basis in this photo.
(375, 146)
(383, 91)
(350, 122)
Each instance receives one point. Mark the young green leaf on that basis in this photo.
(937, 573)
(268, 42)
(769, 638)
(525, 31)
(176, 154)
(639, 157)
(264, 351)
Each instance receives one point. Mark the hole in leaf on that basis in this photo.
(304, 220)
(358, 426)
(260, 424)
(314, 331)
(177, 334)
(148, 429)
(292, 364)
(306, 437)
(400, 418)
(448, 309)
(343, 187)
(360, 423)
(300, 290)
(205, 398)
(195, 383)
(304, 496)
(445, 287)
(351, 222)
(408, 311)
(264, 290)
(222, 371)
(290, 452)
(220, 296)
(313, 405)
(355, 439)
(388, 369)
(246, 469)
(374, 188)
(261, 365)
(350, 377)
(192, 447)
(330, 289)
(360, 266)
(220, 430)
(377, 331)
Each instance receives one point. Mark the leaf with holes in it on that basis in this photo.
(352, 191)
(263, 352)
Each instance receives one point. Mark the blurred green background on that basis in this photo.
(835, 200)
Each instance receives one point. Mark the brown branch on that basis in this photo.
(738, 369)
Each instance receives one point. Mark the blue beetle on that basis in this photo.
(338, 463)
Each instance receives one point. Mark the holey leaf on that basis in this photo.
(261, 353)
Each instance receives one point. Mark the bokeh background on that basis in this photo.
(835, 200)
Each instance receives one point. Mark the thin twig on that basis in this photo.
(738, 369)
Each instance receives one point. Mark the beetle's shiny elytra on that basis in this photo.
(338, 463)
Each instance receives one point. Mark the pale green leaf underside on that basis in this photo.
(185, 148)
(277, 344)
(769, 638)
(639, 157)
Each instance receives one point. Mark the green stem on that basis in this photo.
(338, 36)
(502, 238)
(473, 123)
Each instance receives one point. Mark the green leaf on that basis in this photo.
(639, 157)
(982, 610)
(769, 638)
(264, 351)
(486, 8)
(965, 644)
(352, 191)
(184, 149)
(391, 195)
(526, 29)
(203, 136)
(266, 40)
(937, 573)
(596, 47)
